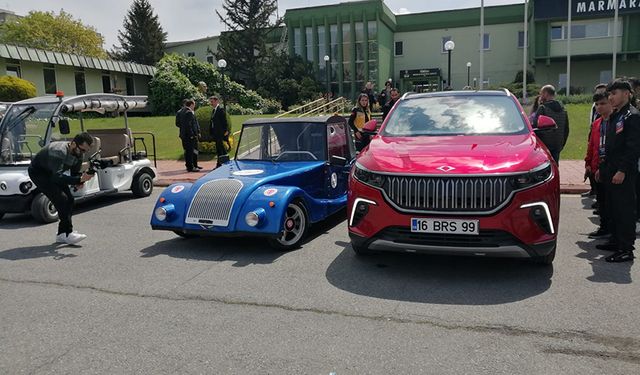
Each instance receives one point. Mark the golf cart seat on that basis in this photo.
(115, 144)
(95, 147)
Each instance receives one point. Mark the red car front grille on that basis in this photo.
(448, 194)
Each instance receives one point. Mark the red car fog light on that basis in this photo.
(359, 210)
(541, 215)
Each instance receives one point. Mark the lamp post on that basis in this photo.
(222, 63)
(469, 74)
(326, 68)
(449, 46)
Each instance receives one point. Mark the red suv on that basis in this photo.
(458, 173)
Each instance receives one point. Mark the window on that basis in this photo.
(210, 59)
(562, 81)
(584, 31)
(486, 42)
(606, 76)
(297, 41)
(399, 51)
(308, 31)
(521, 39)
(81, 86)
(444, 40)
(130, 85)
(106, 83)
(556, 33)
(49, 79)
(191, 54)
(14, 71)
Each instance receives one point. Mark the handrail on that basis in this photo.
(299, 108)
(336, 103)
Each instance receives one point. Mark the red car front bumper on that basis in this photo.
(526, 226)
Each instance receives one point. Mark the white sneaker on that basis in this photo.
(71, 238)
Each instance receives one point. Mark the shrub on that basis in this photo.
(210, 147)
(575, 99)
(13, 89)
(178, 77)
(270, 107)
(237, 109)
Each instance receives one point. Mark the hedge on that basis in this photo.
(13, 89)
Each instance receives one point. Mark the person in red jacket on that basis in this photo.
(596, 155)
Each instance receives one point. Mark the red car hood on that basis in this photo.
(450, 155)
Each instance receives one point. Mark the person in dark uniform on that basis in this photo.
(219, 128)
(394, 96)
(189, 134)
(554, 139)
(47, 171)
(619, 170)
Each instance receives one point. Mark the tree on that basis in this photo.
(289, 79)
(244, 45)
(58, 33)
(143, 39)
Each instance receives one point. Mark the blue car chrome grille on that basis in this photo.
(213, 202)
(448, 194)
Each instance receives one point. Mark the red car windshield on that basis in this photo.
(455, 115)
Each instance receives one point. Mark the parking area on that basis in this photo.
(133, 300)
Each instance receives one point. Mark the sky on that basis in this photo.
(193, 19)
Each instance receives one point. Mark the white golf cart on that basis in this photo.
(119, 157)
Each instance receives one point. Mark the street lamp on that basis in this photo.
(449, 46)
(222, 63)
(469, 74)
(326, 67)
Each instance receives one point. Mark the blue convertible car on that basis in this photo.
(287, 174)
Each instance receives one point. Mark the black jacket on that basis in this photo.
(554, 139)
(218, 124)
(387, 108)
(622, 147)
(186, 121)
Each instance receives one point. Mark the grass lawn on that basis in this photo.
(169, 147)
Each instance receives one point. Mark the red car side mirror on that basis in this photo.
(371, 126)
(546, 122)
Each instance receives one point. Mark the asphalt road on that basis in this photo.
(131, 300)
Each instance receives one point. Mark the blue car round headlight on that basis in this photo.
(161, 213)
(255, 217)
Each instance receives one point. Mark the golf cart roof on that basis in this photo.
(91, 102)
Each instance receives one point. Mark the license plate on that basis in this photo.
(452, 226)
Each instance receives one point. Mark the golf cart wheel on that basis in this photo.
(43, 210)
(295, 226)
(142, 185)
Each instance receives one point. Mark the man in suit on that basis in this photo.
(189, 133)
(219, 128)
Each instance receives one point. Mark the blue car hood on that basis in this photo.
(254, 174)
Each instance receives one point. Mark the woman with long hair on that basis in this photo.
(360, 115)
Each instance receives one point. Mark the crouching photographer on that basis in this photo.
(47, 171)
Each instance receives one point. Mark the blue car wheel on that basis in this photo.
(295, 227)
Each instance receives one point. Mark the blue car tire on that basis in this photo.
(295, 225)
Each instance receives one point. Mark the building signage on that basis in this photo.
(421, 73)
(552, 9)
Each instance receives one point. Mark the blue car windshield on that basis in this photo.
(286, 141)
(455, 115)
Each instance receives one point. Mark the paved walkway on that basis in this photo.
(171, 171)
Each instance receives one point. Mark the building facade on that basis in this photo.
(355, 42)
(74, 74)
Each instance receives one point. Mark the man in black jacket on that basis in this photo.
(47, 171)
(189, 133)
(394, 96)
(619, 170)
(219, 128)
(554, 139)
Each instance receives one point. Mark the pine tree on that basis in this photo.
(244, 45)
(143, 38)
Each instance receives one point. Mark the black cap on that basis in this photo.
(619, 84)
